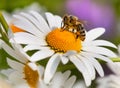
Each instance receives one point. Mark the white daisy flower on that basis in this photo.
(60, 80)
(9, 18)
(25, 70)
(46, 37)
(26, 74)
(116, 65)
(113, 80)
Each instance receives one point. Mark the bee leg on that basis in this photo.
(65, 27)
(62, 30)
(62, 27)
(77, 36)
(62, 24)
(82, 38)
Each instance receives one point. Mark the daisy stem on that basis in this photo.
(4, 23)
(115, 59)
(4, 29)
(4, 36)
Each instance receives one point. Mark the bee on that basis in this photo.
(73, 24)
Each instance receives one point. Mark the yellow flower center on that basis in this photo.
(31, 76)
(62, 41)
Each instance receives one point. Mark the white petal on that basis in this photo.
(60, 79)
(16, 78)
(64, 59)
(66, 75)
(51, 20)
(100, 50)
(97, 66)
(35, 22)
(111, 81)
(39, 55)
(56, 82)
(91, 68)
(115, 67)
(94, 62)
(99, 43)
(33, 66)
(58, 20)
(94, 33)
(51, 68)
(26, 25)
(42, 23)
(23, 84)
(103, 43)
(42, 84)
(113, 85)
(97, 56)
(88, 65)
(70, 52)
(23, 56)
(34, 47)
(79, 84)
(26, 38)
(6, 72)
(41, 70)
(15, 65)
(69, 83)
(81, 67)
(16, 54)
(31, 19)
(106, 59)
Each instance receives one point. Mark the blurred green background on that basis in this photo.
(51, 5)
(55, 6)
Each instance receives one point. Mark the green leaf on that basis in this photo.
(3, 62)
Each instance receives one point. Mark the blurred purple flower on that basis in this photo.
(94, 14)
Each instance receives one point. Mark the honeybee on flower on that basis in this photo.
(73, 24)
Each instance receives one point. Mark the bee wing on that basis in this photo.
(83, 22)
